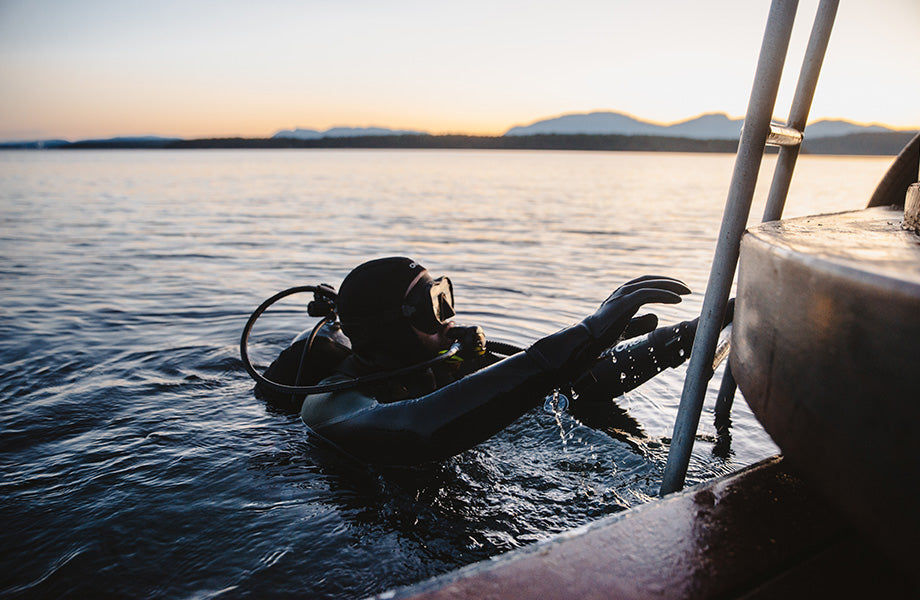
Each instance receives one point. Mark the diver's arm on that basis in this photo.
(466, 412)
(633, 362)
(442, 423)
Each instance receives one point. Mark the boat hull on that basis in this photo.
(826, 350)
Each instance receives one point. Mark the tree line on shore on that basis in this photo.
(889, 143)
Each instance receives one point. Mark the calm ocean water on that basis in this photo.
(135, 460)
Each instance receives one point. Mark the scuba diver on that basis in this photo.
(394, 381)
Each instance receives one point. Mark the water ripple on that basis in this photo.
(135, 460)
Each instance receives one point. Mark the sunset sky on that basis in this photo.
(196, 68)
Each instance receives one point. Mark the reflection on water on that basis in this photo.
(136, 460)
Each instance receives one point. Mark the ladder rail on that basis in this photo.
(788, 155)
(754, 137)
(801, 106)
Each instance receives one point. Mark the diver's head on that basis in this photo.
(394, 313)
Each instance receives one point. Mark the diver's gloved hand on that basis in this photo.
(729, 312)
(639, 326)
(568, 352)
(611, 319)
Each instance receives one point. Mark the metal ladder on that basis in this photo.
(758, 132)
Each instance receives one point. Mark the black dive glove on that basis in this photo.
(569, 352)
(631, 364)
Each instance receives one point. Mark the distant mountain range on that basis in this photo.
(313, 134)
(713, 126)
(605, 130)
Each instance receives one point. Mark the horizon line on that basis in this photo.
(104, 137)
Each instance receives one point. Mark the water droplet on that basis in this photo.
(562, 403)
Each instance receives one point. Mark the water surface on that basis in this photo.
(135, 459)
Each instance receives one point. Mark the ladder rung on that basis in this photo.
(783, 135)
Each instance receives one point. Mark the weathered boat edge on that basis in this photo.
(758, 532)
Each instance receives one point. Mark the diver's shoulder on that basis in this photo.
(328, 407)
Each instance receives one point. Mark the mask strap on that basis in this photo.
(414, 281)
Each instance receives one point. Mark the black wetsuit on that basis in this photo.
(438, 413)
(432, 415)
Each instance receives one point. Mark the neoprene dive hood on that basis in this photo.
(379, 303)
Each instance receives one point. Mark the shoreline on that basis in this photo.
(860, 144)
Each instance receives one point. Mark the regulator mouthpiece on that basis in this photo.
(472, 340)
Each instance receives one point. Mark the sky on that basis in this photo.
(221, 68)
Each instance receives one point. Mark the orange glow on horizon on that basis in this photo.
(191, 70)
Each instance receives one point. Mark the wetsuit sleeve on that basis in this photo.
(444, 422)
(635, 361)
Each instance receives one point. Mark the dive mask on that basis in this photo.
(430, 304)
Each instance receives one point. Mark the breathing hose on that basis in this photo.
(502, 348)
(244, 340)
(324, 302)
